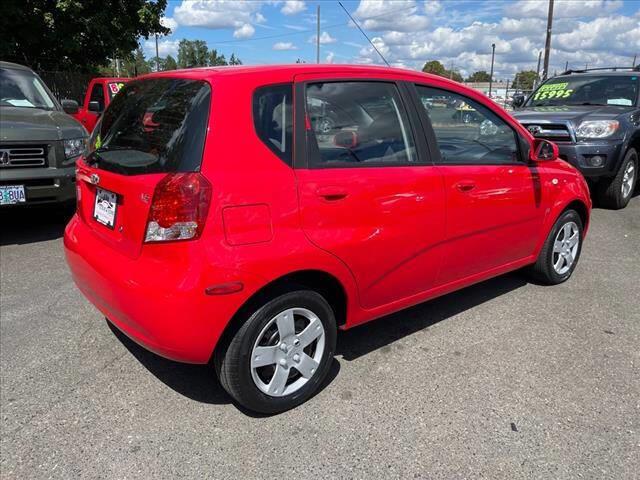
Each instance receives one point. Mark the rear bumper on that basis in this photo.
(158, 299)
(42, 185)
(577, 154)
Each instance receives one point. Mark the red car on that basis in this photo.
(99, 94)
(219, 221)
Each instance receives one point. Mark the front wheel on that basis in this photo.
(561, 250)
(281, 354)
(616, 192)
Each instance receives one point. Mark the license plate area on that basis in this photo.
(105, 208)
(12, 194)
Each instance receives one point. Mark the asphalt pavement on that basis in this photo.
(503, 380)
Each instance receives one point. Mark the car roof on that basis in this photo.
(600, 73)
(112, 79)
(15, 66)
(295, 69)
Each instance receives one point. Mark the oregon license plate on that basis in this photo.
(10, 194)
(104, 210)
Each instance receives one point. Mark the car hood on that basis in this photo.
(574, 114)
(34, 124)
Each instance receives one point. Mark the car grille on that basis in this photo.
(556, 132)
(23, 156)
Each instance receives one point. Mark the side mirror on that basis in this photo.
(544, 150)
(518, 100)
(69, 106)
(94, 106)
(346, 139)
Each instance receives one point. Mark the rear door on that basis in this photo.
(156, 127)
(368, 191)
(494, 201)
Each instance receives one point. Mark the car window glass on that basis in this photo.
(467, 132)
(358, 124)
(272, 117)
(97, 95)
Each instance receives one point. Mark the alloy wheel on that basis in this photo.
(628, 179)
(565, 248)
(287, 352)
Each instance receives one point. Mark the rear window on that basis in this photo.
(153, 126)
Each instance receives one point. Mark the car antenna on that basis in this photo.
(365, 35)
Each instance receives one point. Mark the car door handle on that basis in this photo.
(465, 186)
(332, 193)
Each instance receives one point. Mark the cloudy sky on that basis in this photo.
(410, 32)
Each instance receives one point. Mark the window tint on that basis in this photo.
(97, 95)
(467, 132)
(358, 123)
(272, 119)
(153, 126)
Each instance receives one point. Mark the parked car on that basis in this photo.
(98, 96)
(594, 117)
(249, 241)
(39, 142)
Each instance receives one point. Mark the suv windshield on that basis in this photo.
(621, 90)
(153, 126)
(22, 88)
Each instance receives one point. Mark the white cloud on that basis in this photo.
(431, 7)
(564, 8)
(399, 15)
(324, 39)
(219, 14)
(170, 23)
(330, 57)
(292, 7)
(245, 31)
(165, 47)
(284, 46)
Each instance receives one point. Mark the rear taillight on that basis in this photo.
(179, 208)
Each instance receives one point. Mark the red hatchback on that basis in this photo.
(243, 215)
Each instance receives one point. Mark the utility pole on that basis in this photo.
(493, 56)
(506, 94)
(318, 34)
(157, 57)
(547, 44)
(634, 60)
(537, 80)
(566, 65)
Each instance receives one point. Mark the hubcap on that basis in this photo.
(288, 351)
(628, 179)
(565, 248)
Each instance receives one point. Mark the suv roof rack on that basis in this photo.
(635, 68)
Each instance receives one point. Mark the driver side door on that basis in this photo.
(493, 196)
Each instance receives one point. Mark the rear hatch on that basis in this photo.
(154, 129)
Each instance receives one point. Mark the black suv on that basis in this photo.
(594, 118)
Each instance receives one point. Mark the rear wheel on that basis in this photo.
(616, 192)
(281, 354)
(561, 250)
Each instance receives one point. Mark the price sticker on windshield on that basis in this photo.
(553, 90)
(115, 87)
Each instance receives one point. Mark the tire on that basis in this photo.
(259, 387)
(549, 268)
(615, 193)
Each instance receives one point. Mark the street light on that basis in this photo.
(493, 55)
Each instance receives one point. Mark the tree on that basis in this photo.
(215, 59)
(193, 53)
(524, 80)
(479, 76)
(436, 68)
(135, 64)
(170, 63)
(78, 35)
(233, 60)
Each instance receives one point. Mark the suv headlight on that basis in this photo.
(74, 147)
(597, 129)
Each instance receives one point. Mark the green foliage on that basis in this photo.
(135, 64)
(195, 53)
(76, 34)
(480, 76)
(436, 68)
(525, 80)
(170, 63)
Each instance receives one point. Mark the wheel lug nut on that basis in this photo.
(283, 347)
(283, 362)
(296, 358)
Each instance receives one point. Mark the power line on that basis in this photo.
(365, 35)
